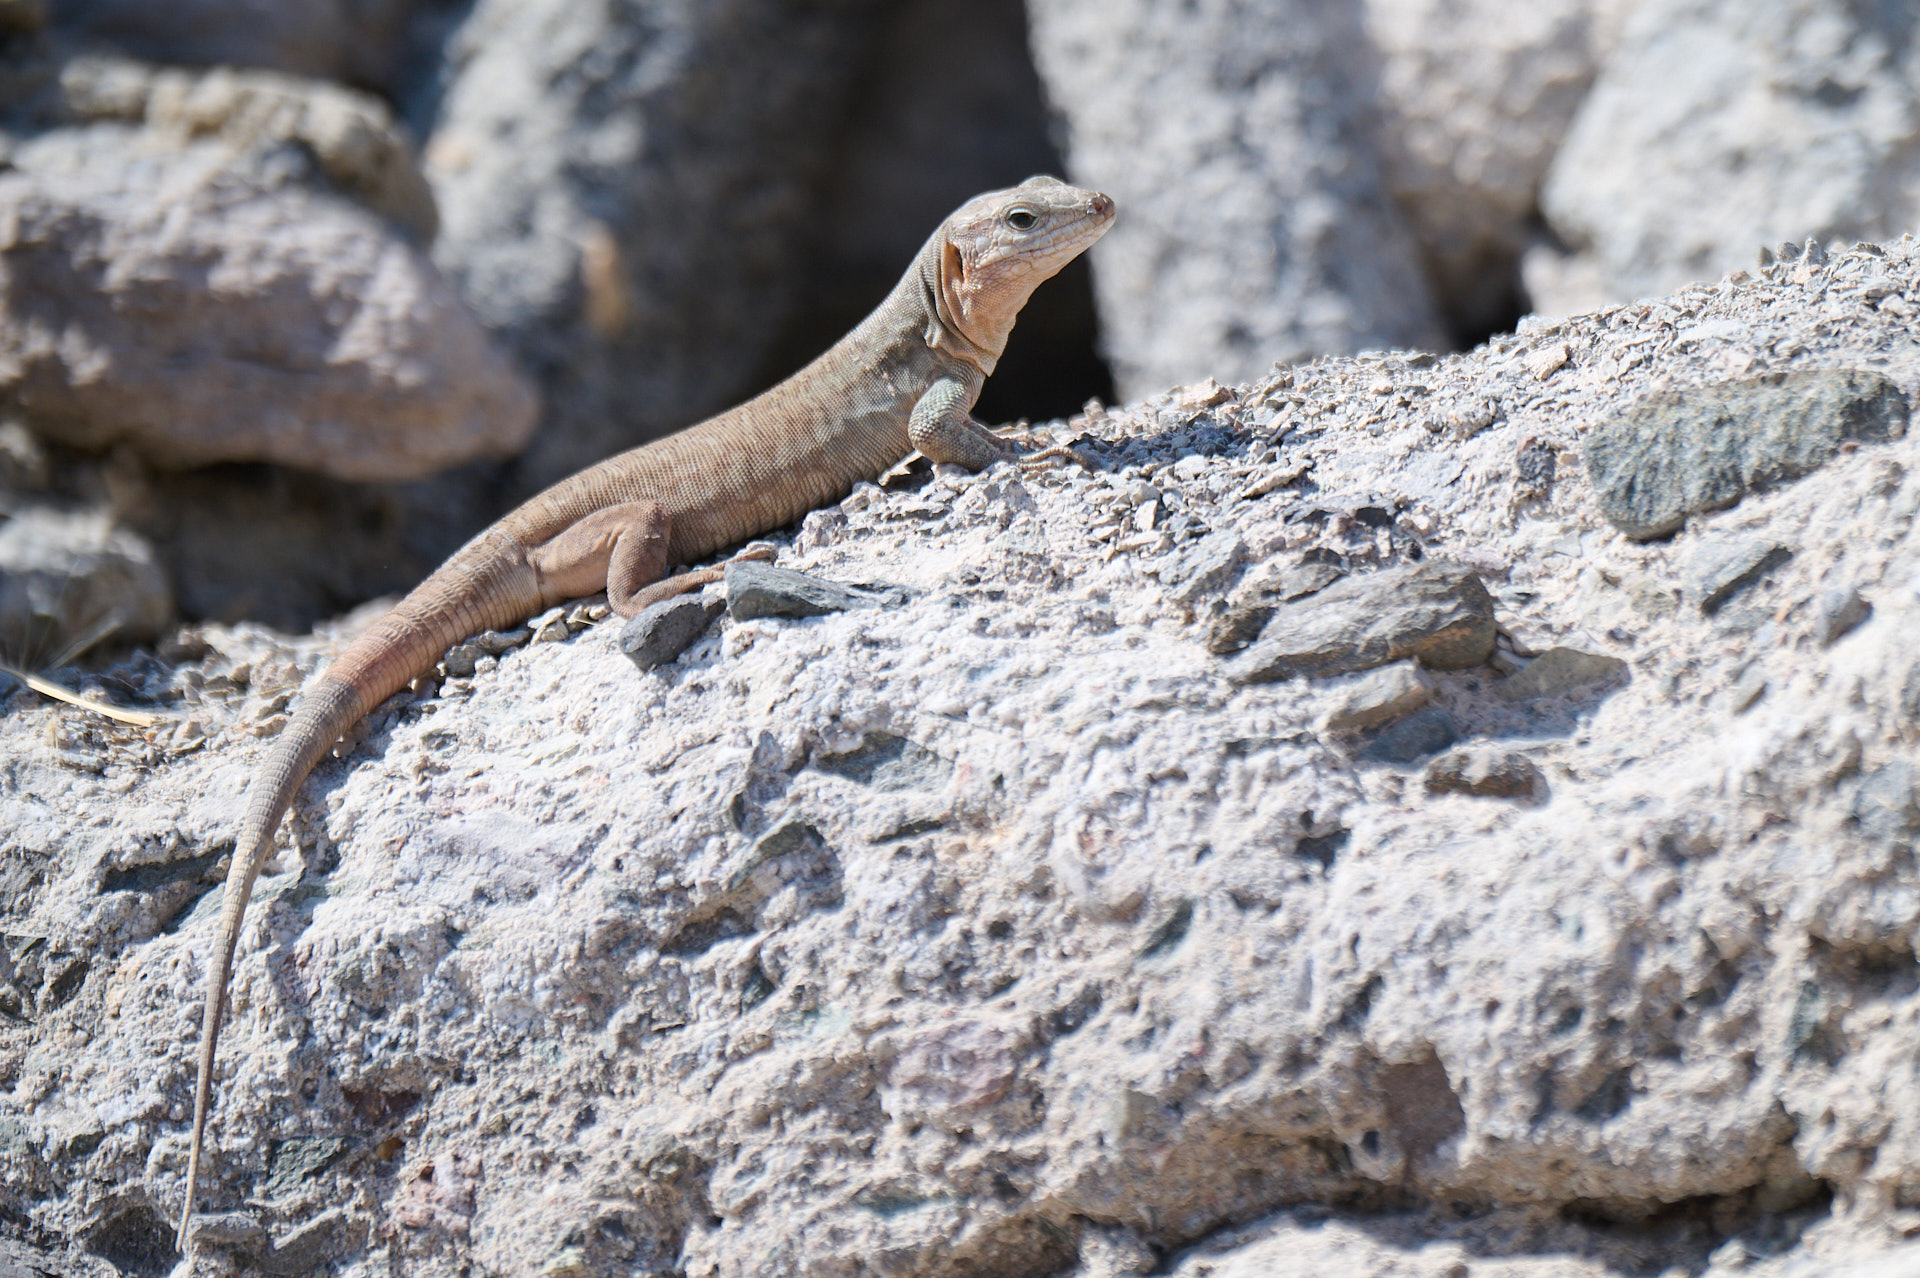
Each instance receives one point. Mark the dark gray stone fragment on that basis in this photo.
(1413, 738)
(755, 589)
(1498, 774)
(301, 1159)
(1838, 613)
(660, 632)
(1683, 452)
(1717, 571)
(327, 1235)
(888, 762)
(1249, 608)
(1560, 670)
(1436, 612)
(1206, 568)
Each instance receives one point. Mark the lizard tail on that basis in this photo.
(325, 713)
(484, 586)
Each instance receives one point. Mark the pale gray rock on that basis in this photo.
(69, 579)
(1718, 570)
(353, 138)
(660, 632)
(1683, 452)
(1721, 126)
(622, 190)
(1437, 612)
(1837, 613)
(1477, 96)
(1379, 698)
(1559, 671)
(1239, 142)
(1001, 932)
(149, 298)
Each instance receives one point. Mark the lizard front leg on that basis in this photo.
(944, 431)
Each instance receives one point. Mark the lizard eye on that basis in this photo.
(1021, 218)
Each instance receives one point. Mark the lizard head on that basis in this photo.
(997, 248)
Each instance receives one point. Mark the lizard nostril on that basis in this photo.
(1100, 204)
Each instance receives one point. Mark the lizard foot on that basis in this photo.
(1058, 452)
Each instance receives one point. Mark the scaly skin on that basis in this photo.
(906, 378)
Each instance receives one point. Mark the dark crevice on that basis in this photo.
(917, 142)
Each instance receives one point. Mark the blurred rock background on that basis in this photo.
(346, 278)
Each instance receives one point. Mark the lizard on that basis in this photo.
(904, 379)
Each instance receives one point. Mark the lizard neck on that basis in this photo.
(946, 331)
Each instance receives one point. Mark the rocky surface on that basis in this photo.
(1003, 931)
(1257, 225)
(1720, 126)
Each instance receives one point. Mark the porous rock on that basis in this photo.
(1434, 611)
(154, 299)
(1477, 96)
(1683, 452)
(1002, 932)
(355, 40)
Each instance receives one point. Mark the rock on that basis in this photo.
(147, 301)
(1436, 612)
(660, 632)
(1718, 126)
(1204, 568)
(352, 136)
(329, 1235)
(757, 589)
(1000, 932)
(1412, 739)
(1477, 98)
(623, 191)
(1300, 251)
(1379, 698)
(1559, 671)
(1837, 613)
(1886, 804)
(354, 40)
(69, 579)
(1247, 610)
(1681, 453)
(1485, 771)
(1718, 570)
